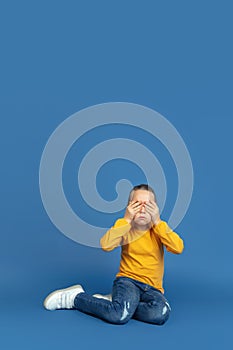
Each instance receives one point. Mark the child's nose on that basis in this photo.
(142, 209)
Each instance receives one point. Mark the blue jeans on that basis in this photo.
(130, 299)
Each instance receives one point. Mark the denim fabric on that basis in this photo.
(130, 299)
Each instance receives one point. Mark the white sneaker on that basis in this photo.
(100, 296)
(62, 298)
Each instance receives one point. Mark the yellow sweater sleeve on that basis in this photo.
(113, 237)
(169, 238)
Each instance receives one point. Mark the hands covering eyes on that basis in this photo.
(149, 207)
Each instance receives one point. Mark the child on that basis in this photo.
(138, 287)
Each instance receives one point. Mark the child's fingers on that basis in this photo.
(149, 210)
(136, 204)
(152, 205)
(152, 208)
(149, 205)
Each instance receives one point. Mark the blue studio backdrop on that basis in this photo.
(59, 57)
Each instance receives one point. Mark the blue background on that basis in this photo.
(58, 57)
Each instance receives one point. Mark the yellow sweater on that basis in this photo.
(142, 252)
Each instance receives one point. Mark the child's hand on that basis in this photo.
(132, 209)
(153, 209)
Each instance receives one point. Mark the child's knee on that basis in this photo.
(163, 315)
(160, 315)
(118, 318)
(163, 318)
(121, 315)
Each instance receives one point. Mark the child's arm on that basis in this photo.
(169, 238)
(113, 237)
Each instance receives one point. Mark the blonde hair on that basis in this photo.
(144, 187)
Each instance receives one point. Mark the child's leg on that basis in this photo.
(125, 299)
(153, 308)
(103, 296)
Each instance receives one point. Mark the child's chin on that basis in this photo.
(142, 222)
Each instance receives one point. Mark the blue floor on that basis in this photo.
(200, 323)
(201, 307)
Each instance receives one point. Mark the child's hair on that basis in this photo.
(141, 187)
